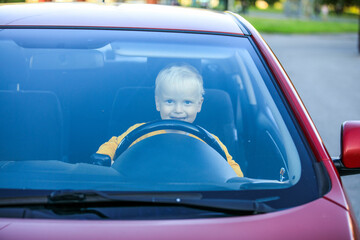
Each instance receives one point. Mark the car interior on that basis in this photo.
(65, 112)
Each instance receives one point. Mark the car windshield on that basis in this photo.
(66, 92)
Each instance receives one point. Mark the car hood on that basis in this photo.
(320, 219)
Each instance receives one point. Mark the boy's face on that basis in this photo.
(179, 103)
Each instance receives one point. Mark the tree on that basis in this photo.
(339, 5)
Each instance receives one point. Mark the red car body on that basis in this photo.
(309, 221)
(328, 217)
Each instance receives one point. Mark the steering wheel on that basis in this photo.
(173, 125)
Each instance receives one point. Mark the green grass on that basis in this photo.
(295, 26)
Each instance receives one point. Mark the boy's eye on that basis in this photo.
(188, 102)
(169, 101)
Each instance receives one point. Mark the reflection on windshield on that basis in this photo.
(70, 105)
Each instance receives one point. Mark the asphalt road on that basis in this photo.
(325, 69)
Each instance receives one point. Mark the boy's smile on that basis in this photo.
(179, 103)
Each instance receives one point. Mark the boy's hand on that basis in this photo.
(100, 159)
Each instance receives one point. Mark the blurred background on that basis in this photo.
(310, 9)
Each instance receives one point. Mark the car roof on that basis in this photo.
(128, 16)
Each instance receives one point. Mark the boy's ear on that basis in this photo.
(200, 104)
(157, 103)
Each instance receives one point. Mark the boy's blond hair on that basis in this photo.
(178, 76)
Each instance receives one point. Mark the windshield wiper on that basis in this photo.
(73, 196)
(192, 200)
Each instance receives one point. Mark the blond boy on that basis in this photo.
(178, 96)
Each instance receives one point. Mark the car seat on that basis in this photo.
(31, 126)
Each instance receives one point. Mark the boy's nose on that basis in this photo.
(178, 108)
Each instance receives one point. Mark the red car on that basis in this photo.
(158, 122)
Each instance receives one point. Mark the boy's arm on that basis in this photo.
(229, 158)
(109, 148)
